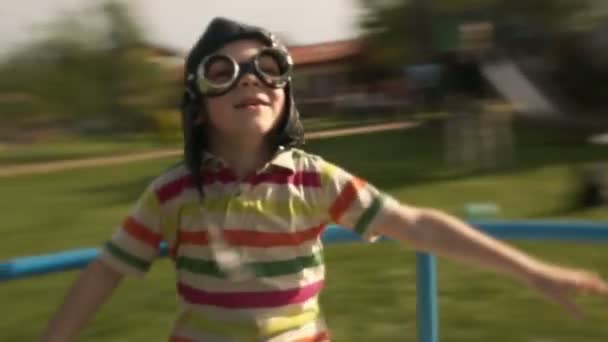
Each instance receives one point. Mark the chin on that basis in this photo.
(256, 129)
(260, 124)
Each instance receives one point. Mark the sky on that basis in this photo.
(178, 23)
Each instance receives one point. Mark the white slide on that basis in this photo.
(516, 88)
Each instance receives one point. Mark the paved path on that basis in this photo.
(37, 168)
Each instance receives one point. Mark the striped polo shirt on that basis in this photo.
(248, 254)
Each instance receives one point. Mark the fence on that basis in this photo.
(427, 313)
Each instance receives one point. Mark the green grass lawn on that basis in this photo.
(74, 148)
(371, 288)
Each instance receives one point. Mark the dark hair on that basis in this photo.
(288, 131)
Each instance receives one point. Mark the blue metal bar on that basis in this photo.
(574, 231)
(48, 263)
(426, 298)
(337, 234)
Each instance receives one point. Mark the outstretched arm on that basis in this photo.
(91, 290)
(439, 233)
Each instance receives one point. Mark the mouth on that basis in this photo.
(251, 102)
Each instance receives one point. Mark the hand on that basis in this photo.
(561, 285)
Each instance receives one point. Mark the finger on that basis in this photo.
(597, 287)
(600, 286)
(592, 283)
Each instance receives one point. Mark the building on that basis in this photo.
(335, 76)
(326, 69)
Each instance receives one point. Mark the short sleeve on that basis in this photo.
(353, 202)
(135, 244)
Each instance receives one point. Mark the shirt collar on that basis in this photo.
(211, 161)
(283, 158)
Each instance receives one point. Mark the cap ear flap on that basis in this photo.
(194, 136)
(290, 131)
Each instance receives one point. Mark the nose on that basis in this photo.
(249, 79)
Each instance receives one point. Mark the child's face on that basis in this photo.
(251, 109)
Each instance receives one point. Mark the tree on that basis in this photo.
(399, 31)
(93, 75)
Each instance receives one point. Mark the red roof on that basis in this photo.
(325, 52)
